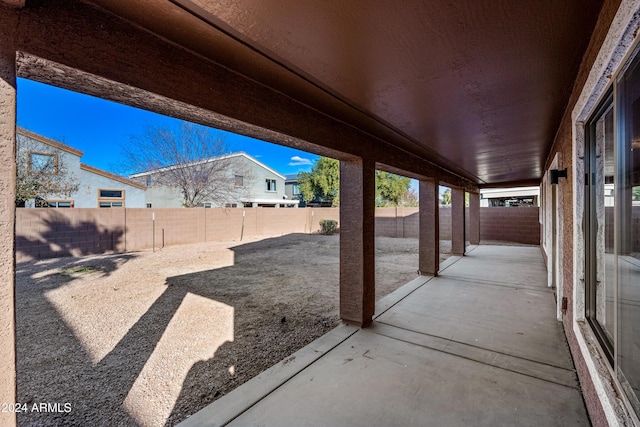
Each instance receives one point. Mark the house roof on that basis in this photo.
(76, 152)
(212, 159)
(47, 141)
(110, 175)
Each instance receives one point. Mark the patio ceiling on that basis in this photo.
(478, 88)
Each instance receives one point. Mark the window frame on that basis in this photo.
(57, 202)
(105, 199)
(590, 222)
(42, 153)
(268, 182)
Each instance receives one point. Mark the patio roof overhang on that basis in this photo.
(477, 88)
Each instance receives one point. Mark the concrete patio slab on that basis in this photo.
(508, 320)
(449, 350)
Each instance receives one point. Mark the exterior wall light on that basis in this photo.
(554, 174)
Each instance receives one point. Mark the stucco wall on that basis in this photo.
(87, 194)
(7, 222)
(570, 260)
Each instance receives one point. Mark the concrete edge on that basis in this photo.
(230, 406)
(449, 262)
(399, 294)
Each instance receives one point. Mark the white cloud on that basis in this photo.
(299, 161)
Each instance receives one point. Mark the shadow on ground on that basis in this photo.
(55, 366)
(281, 297)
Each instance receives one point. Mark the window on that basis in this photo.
(239, 181)
(600, 168)
(204, 205)
(111, 194)
(111, 204)
(148, 180)
(296, 190)
(612, 228)
(270, 185)
(231, 205)
(627, 219)
(110, 198)
(43, 162)
(148, 205)
(56, 204)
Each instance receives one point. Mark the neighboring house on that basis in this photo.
(254, 185)
(95, 187)
(510, 197)
(291, 189)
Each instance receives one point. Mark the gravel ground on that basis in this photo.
(149, 338)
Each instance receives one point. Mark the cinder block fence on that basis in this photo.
(46, 233)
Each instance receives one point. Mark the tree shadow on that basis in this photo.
(47, 349)
(62, 238)
(55, 365)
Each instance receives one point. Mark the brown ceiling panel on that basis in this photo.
(477, 87)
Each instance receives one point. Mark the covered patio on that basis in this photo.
(476, 345)
(465, 94)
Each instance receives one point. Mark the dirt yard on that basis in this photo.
(149, 338)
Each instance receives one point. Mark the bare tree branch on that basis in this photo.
(191, 158)
(42, 173)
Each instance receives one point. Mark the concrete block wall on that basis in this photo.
(227, 224)
(318, 214)
(445, 223)
(46, 233)
(405, 222)
(518, 225)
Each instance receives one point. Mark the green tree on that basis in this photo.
(445, 199)
(322, 183)
(390, 188)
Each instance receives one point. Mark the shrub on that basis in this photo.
(328, 226)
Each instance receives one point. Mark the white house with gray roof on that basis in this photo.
(255, 185)
(97, 188)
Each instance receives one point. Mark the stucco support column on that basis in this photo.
(7, 224)
(429, 229)
(474, 218)
(357, 241)
(457, 221)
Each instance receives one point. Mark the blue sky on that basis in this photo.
(100, 128)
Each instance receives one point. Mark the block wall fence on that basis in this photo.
(46, 233)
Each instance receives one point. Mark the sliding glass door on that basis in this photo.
(612, 227)
(628, 227)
